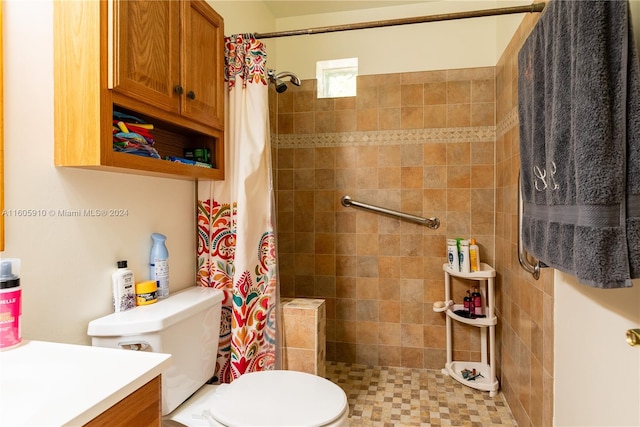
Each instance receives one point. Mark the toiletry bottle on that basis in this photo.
(159, 263)
(474, 256)
(10, 304)
(476, 302)
(123, 287)
(465, 266)
(467, 304)
(146, 292)
(452, 255)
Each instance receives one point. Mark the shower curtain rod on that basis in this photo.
(536, 7)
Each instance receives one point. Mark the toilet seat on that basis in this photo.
(267, 399)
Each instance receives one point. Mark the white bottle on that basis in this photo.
(465, 266)
(123, 287)
(452, 255)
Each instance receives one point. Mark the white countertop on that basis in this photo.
(53, 384)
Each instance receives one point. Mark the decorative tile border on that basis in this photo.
(388, 137)
(509, 121)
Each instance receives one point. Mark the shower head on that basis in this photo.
(280, 85)
(292, 77)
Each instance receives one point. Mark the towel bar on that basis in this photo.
(429, 222)
(523, 256)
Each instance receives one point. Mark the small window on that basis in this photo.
(337, 77)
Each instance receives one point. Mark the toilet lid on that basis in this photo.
(278, 398)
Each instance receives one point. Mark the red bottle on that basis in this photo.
(468, 304)
(476, 302)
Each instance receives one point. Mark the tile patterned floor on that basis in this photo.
(399, 397)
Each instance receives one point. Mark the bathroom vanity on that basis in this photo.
(45, 383)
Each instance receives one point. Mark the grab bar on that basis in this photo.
(523, 256)
(429, 222)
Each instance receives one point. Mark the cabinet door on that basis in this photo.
(203, 62)
(147, 51)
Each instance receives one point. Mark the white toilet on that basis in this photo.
(186, 325)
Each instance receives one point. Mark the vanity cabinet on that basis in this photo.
(143, 407)
(160, 61)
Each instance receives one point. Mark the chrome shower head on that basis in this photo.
(292, 77)
(280, 85)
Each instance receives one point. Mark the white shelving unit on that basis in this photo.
(487, 365)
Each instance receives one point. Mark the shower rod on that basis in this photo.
(535, 7)
(429, 222)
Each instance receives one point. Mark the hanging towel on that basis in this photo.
(579, 112)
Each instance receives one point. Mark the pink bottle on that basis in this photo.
(10, 304)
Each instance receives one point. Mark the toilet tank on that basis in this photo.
(185, 325)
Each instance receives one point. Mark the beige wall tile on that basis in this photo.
(435, 116)
(412, 117)
(387, 272)
(346, 121)
(458, 115)
(389, 118)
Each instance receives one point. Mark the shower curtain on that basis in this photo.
(236, 236)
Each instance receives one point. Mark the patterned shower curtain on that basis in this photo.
(236, 238)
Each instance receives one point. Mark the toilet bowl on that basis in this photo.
(266, 399)
(186, 325)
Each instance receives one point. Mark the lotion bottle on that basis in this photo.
(465, 266)
(123, 287)
(10, 304)
(159, 264)
(474, 256)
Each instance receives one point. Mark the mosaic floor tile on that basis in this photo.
(403, 397)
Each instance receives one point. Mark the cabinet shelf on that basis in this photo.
(487, 325)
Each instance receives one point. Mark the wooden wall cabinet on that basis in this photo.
(159, 61)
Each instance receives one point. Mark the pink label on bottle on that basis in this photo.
(10, 313)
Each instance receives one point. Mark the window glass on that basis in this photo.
(337, 77)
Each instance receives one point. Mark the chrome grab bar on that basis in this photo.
(429, 222)
(523, 256)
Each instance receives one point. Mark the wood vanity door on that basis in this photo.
(142, 408)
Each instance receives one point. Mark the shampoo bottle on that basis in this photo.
(123, 287)
(465, 266)
(452, 254)
(10, 304)
(474, 256)
(159, 263)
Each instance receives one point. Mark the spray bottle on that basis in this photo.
(159, 264)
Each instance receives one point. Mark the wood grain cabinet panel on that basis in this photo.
(142, 408)
(161, 61)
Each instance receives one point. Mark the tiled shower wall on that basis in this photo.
(525, 305)
(421, 143)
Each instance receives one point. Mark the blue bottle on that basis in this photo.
(159, 264)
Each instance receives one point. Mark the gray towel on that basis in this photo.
(579, 111)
